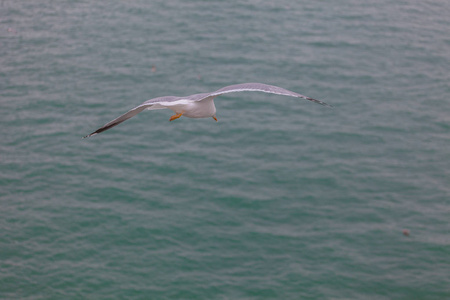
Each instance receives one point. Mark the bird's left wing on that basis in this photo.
(155, 103)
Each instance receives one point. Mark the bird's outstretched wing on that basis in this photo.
(118, 120)
(149, 104)
(253, 87)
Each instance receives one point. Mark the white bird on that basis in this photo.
(199, 105)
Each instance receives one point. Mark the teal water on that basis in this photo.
(281, 199)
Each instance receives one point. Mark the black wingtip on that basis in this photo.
(319, 102)
(101, 129)
(89, 135)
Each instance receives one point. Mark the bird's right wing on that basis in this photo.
(260, 87)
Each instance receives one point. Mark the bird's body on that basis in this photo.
(199, 105)
(193, 109)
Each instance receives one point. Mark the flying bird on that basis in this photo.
(199, 105)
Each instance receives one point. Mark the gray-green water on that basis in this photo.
(281, 199)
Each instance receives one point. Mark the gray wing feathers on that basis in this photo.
(146, 105)
(119, 120)
(259, 87)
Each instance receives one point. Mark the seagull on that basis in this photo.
(199, 105)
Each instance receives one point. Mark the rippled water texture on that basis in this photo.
(280, 199)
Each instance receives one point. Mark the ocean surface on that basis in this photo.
(280, 199)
